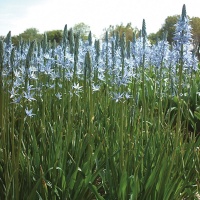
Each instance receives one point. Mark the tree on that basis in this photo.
(120, 29)
(55, 35)
(168, 26)
(195, 23)
(15, 40)
(31, 34)
(153, 37)
(83, 30)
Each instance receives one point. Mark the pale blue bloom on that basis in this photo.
(101, 77)
(76, 86)
(60, 85)
(29, 96)
(183, 39)
(54, 75)
(117, 96)
(29, 112)
(95, 88)
(18, 82)
(140, 48)
(33, 76)
(58, 95)
(51, 86)
(33, 69)
(30, 87)
(47, 56)
(17, 73)
(13, 92)
(69, 75)
(183, 34)
(127, 95)
(17, 99)
(160, 52)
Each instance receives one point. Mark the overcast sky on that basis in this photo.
(45, 15)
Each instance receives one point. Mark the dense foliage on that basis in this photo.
(100, 120)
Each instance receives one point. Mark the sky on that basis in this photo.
(45, 15)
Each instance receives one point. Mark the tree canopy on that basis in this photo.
(169, 26)
(55, 35)
(31, 34)
(195, 23)
(83, 29)
(120, 29)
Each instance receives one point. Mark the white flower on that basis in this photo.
(58, 95)
(17, 73)
(13, 92)
(127, 96)
(32, 75)
(29, 96)
(60, 85)
(77, 87)
(95, 88)
(17, 100)
(46, 56)
(117, 97)
(29, 112)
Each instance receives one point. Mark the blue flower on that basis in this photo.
(58, 95)
(183, 41)
(29, 112)
(95, 88)
(117, 96)
(29, 96)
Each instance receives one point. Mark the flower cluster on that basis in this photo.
(107, 62)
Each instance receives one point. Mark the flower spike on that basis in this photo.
(144, 33)
(184, 12)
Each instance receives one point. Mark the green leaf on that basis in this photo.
(73, 179)
(197, 114)
(123, 185)
(93, 188)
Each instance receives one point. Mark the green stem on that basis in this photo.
(143, 98)
(180, 74)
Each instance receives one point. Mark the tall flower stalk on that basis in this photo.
(144, 47)
(182, 40)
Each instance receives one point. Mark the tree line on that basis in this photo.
(131, 32)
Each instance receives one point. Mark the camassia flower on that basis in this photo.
(13, 92)
(29, 96)
(29, 112)
(117, 96)
(183, 34)
(182, 39)
(160, 52)
(77, 89)
(95, 88)
(58, 95)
